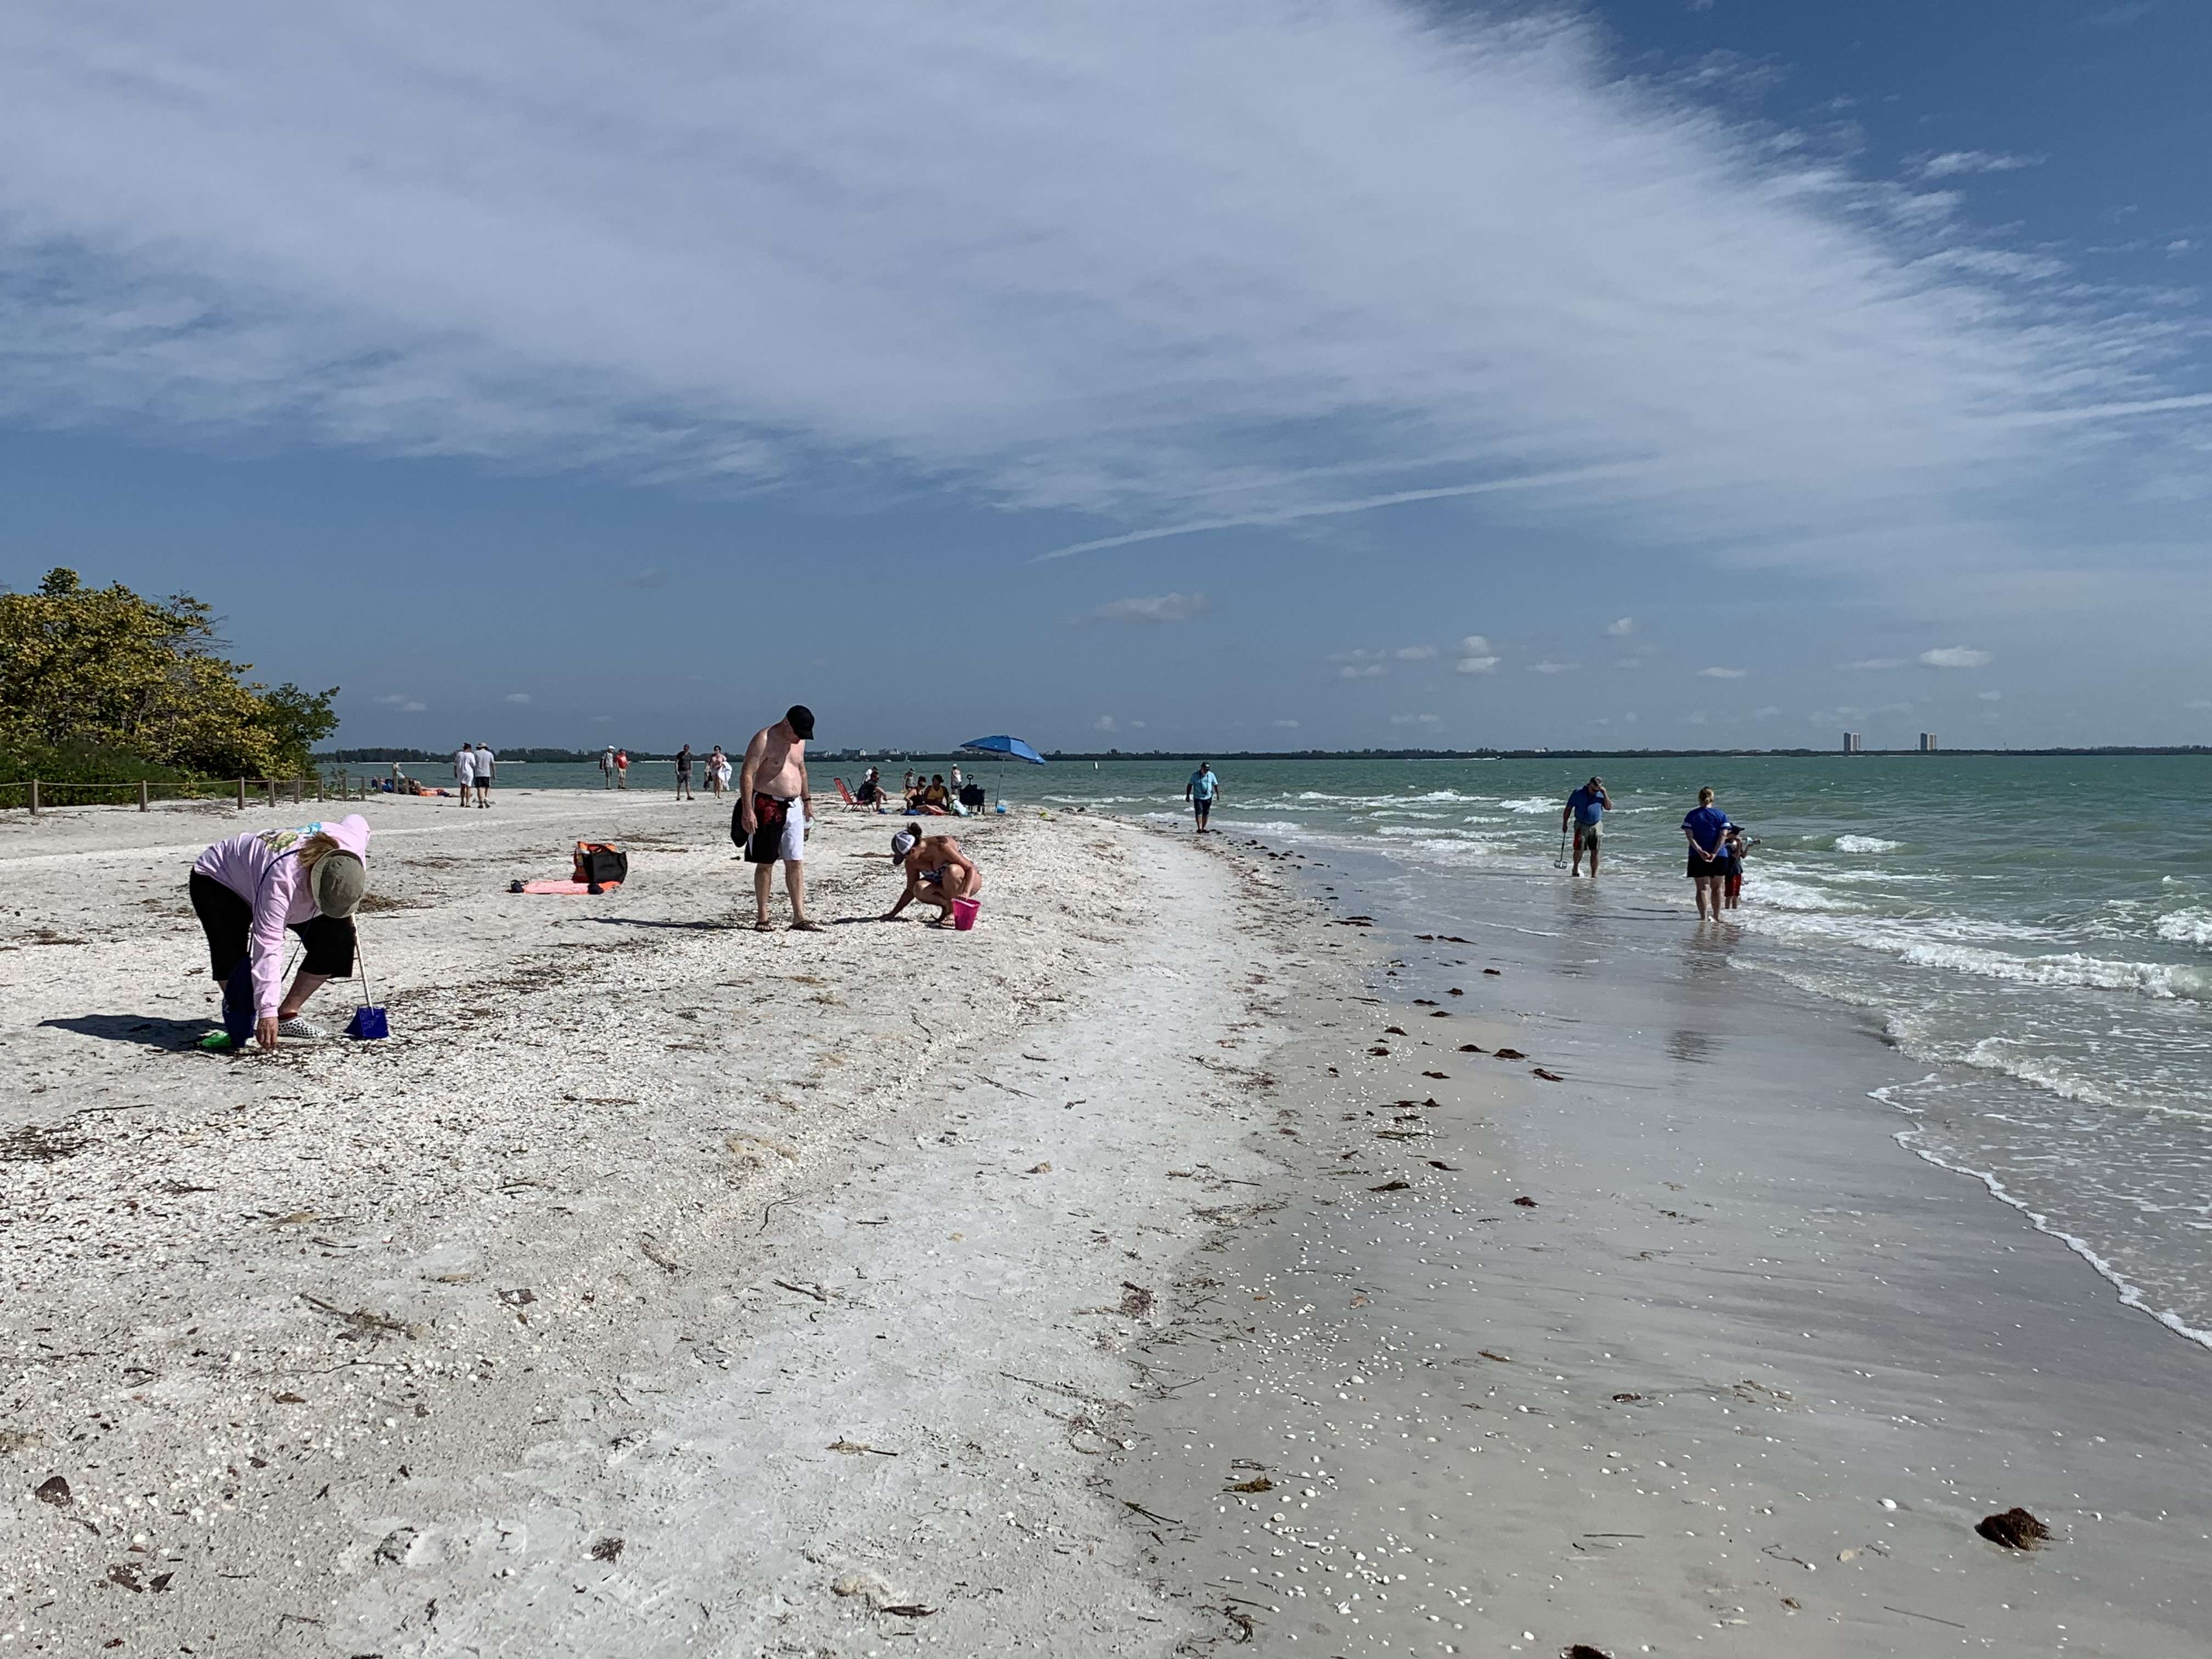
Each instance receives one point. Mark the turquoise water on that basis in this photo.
(2034, 935)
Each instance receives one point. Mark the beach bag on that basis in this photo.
(601, 863)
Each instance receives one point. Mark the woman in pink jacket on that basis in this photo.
(247, 890)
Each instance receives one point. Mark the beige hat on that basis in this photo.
(339, 881)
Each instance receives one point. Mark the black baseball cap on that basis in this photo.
(800, 718)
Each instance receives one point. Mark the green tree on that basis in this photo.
(103, 682)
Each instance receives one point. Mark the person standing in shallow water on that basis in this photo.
(1586, 808)
(1706, 829)
(1201, 790)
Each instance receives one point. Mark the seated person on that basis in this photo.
(937, 872)
(871, 792)
(937, 794)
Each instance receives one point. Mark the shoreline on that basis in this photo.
(1742, 1376)
(678, 1294)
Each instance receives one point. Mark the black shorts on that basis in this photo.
(227, 921)
(1707, 869)
(1201, 807)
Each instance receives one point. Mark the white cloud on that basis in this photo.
(652, 576)
(1700, 717)
(1361, 670)
(1414, 719)
(1288, 725)
(2198, 702)
(1991, 696)
(1474, 645)
(1159, 608)
(400, 702)
(1621, 627)
(518, 696)
(1476, 664)
(1765, 714)
(1414, 652)
(1630, 662)
(738, 243)
(1104, 723)
(1955, 656)
(1876, 663)
(1547, 666)
(1721, 673)
(1952, 163)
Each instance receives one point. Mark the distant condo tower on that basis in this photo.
(1927, 743)
(1851, 743)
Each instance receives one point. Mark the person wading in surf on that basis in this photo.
(1706, 830)
(1587, 806)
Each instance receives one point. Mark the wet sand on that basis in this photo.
(1743, 1379)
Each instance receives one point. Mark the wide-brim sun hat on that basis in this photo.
(339, 883)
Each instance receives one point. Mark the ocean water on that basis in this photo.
(2034, 935)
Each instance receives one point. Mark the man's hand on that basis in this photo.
(265, 1030)
(748, 819)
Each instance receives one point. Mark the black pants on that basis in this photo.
(227, 921)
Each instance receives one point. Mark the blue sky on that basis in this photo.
(1327, 373)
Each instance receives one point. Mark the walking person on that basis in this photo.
(465, 771)
(1706, 829)
(770, 820)
(1586, 808)
(684, 773)
(607, 767)
(622, 768)
(718, 772)
(1201, 790)
(485, 761)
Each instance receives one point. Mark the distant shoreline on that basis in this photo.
(553, 757)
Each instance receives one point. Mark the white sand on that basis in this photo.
(365, 1348)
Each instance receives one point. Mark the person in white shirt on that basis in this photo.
(607, 767)
(464, 770)
(485, 761)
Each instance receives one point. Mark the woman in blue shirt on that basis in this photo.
(1706, 829)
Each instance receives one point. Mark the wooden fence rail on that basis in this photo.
(37, 790)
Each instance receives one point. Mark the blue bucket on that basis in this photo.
(368, 1024)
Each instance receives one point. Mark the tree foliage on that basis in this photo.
(103, 682)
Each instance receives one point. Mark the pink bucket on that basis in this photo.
(964, 914)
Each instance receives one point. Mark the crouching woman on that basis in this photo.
(247, 890)
(937, 871)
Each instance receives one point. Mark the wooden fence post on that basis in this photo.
(35, 798)
(141, 794)
(241, 794)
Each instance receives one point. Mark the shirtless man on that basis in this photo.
(937, 871)
(771, 822)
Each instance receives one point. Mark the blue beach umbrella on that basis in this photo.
(1006, 746)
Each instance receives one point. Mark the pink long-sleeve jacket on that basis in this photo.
(262, 868)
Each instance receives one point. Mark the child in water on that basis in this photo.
(1734, 846)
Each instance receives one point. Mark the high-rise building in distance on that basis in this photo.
(1850, 743)
(1927, 743)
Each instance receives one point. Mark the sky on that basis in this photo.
(1278, 374)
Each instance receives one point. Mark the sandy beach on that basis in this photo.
(1141, 1273)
